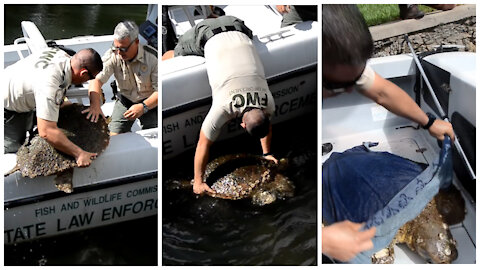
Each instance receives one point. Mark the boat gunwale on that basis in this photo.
(82, 189)
(182, 108)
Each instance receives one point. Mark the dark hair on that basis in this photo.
(90, 59)
(345, 35)
(257, 123)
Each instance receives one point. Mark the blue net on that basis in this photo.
(380, 189)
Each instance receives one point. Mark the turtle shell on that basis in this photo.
(237, 176)
(38, 158)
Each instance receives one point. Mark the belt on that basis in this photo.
(127, 102)
(210, 33)
(8, 113)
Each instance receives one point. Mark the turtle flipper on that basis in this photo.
(64, 181)
(384, 256)
(16, 168)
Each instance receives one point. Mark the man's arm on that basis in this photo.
(95, 96)
(53, 135)
(400, 103)
(265, 142)
(200, 162)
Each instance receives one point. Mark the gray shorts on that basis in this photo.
(120, 124)
(16, 126)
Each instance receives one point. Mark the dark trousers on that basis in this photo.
(16, 126)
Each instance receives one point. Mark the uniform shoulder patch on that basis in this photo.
(150, 50)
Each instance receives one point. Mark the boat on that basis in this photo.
(289, 57)
(349, 120)
(120, 185)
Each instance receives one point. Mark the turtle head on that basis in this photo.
(436, 244)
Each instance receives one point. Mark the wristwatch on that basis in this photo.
(145, 108)
(431, 119)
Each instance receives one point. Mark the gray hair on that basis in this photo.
(126, 29)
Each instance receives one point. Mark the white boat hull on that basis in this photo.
(120, 185)
(80, 210)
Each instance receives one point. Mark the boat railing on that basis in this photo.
(19, 41)
(180, 14)
(78, 94)
(34, 39)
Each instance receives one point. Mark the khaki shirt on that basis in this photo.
(236, 75)
(38, 82)
(136, 79)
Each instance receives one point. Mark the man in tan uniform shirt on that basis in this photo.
(36, 86)
(239, 88)
(135, 67)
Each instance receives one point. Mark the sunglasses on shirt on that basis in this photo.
(338, 87)
(124, 50)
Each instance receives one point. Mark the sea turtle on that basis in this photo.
(36, 157)
(240, 176)
(428, 234)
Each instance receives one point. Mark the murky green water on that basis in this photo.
(126, 243)
(66, 21)
(211, 231)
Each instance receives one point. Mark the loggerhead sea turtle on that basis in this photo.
(240, 176)
(428, 234)
(36, 157)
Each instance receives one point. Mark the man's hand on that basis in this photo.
(439, 128)
(134, 112)
(344, 240)
(85, 158)
(283, 8)
(200, 187)
(272, 158)
(94, 113)
(168, 54)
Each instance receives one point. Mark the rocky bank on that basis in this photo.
(460, 33)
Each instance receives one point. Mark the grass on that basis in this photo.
(378, 14)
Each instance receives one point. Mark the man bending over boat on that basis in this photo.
(135, 67)
(36, 87)
(237, 79)
(347, 45)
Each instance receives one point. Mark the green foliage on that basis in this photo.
(377, 14)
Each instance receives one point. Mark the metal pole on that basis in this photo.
(440, 109)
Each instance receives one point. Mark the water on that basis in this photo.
(127, 243)
(66, 21)
(210, 231)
